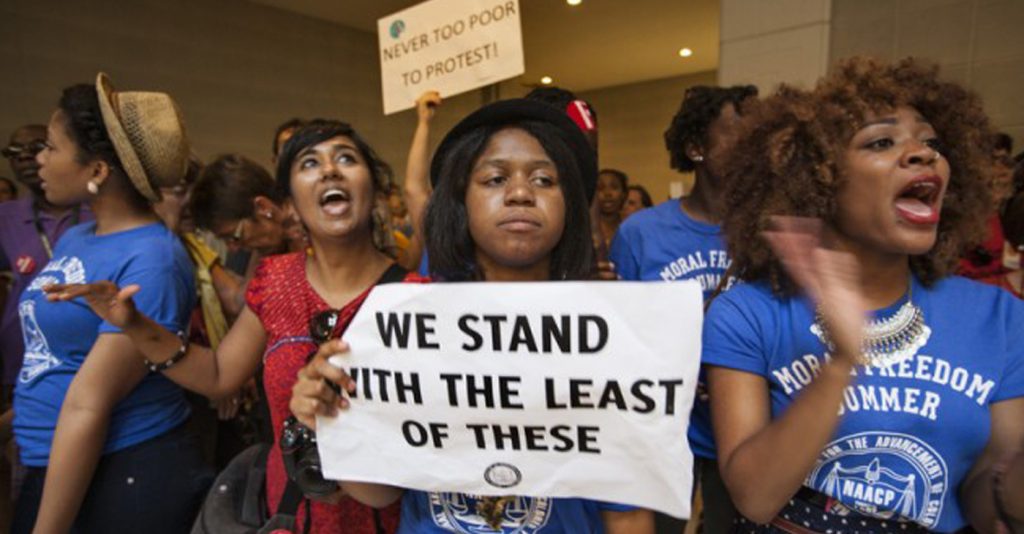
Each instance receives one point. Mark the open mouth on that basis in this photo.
(335, 201)
(919, 202)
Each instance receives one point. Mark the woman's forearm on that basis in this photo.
(77, 446)
(1004, 451)
(759, 478)
(416, 187)
(1012, 494)
(212, 374)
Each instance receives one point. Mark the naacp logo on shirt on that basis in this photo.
(38, 356)
(885, 475)
(457, 512)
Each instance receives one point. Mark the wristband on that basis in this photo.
(166, 364)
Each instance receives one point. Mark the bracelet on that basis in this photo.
(166, 364)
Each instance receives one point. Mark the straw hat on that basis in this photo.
(148, 135)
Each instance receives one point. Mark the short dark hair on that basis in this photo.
(645, 197)
(290, 124)
(1003, 142)
(226, 188)
(557, 97)
(10, 184)
(83, 122)
(449, 244)
(319, 130)
(621, 176)
(701, 105)
(1012, 219)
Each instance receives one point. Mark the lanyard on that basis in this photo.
(42, 234)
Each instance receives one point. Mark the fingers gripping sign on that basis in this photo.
(318, 388)
(427, 104)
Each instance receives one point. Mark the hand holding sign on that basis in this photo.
(311, 394)
(574, 389)
(452, 46)
(427, 104)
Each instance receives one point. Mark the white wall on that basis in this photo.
(979, 43)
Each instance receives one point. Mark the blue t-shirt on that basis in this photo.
(429, 513)
(909, 431)
(664, 243)
(59, 335)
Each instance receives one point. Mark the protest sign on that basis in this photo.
(555, 389)
(450, 46)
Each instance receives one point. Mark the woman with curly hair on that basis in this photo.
(856, 196)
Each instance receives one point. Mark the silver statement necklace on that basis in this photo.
(887, 340)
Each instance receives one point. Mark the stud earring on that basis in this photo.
(268, 215)
(698, 158)
(92, 187)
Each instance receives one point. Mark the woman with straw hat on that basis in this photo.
(101, 434)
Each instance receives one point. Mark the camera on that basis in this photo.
(302, 459)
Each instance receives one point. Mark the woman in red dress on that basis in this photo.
(333, 178)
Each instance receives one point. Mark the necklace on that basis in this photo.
(888, 340)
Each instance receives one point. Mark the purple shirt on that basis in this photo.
(22, 253)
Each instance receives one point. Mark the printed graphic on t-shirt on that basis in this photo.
(38, 357)
(457, 512)
(705, 266)
(66, 270)
(880, 473)
(884, 474)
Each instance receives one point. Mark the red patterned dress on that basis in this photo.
(282, 298)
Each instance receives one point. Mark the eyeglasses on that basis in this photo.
(238, 235)
(33, 148)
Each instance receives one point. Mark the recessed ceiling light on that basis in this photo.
(685, 52)
(574, 2)
(546, 80)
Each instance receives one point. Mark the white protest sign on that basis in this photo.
(553, 389)
(451, 46)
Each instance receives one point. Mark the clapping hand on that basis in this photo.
(113, 304)
(830, 277)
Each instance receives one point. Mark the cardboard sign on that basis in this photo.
(451, 46)
(554, 389)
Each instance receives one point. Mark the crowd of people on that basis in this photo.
(167, 319)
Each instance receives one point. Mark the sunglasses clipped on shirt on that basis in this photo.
(33, 148)
(323, 326)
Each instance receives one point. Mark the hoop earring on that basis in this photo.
(92, 187)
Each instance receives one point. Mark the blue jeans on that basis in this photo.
(154, 487)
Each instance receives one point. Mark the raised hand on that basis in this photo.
(427, 104)
(114, 305)
(831, 278)
(311, 394)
